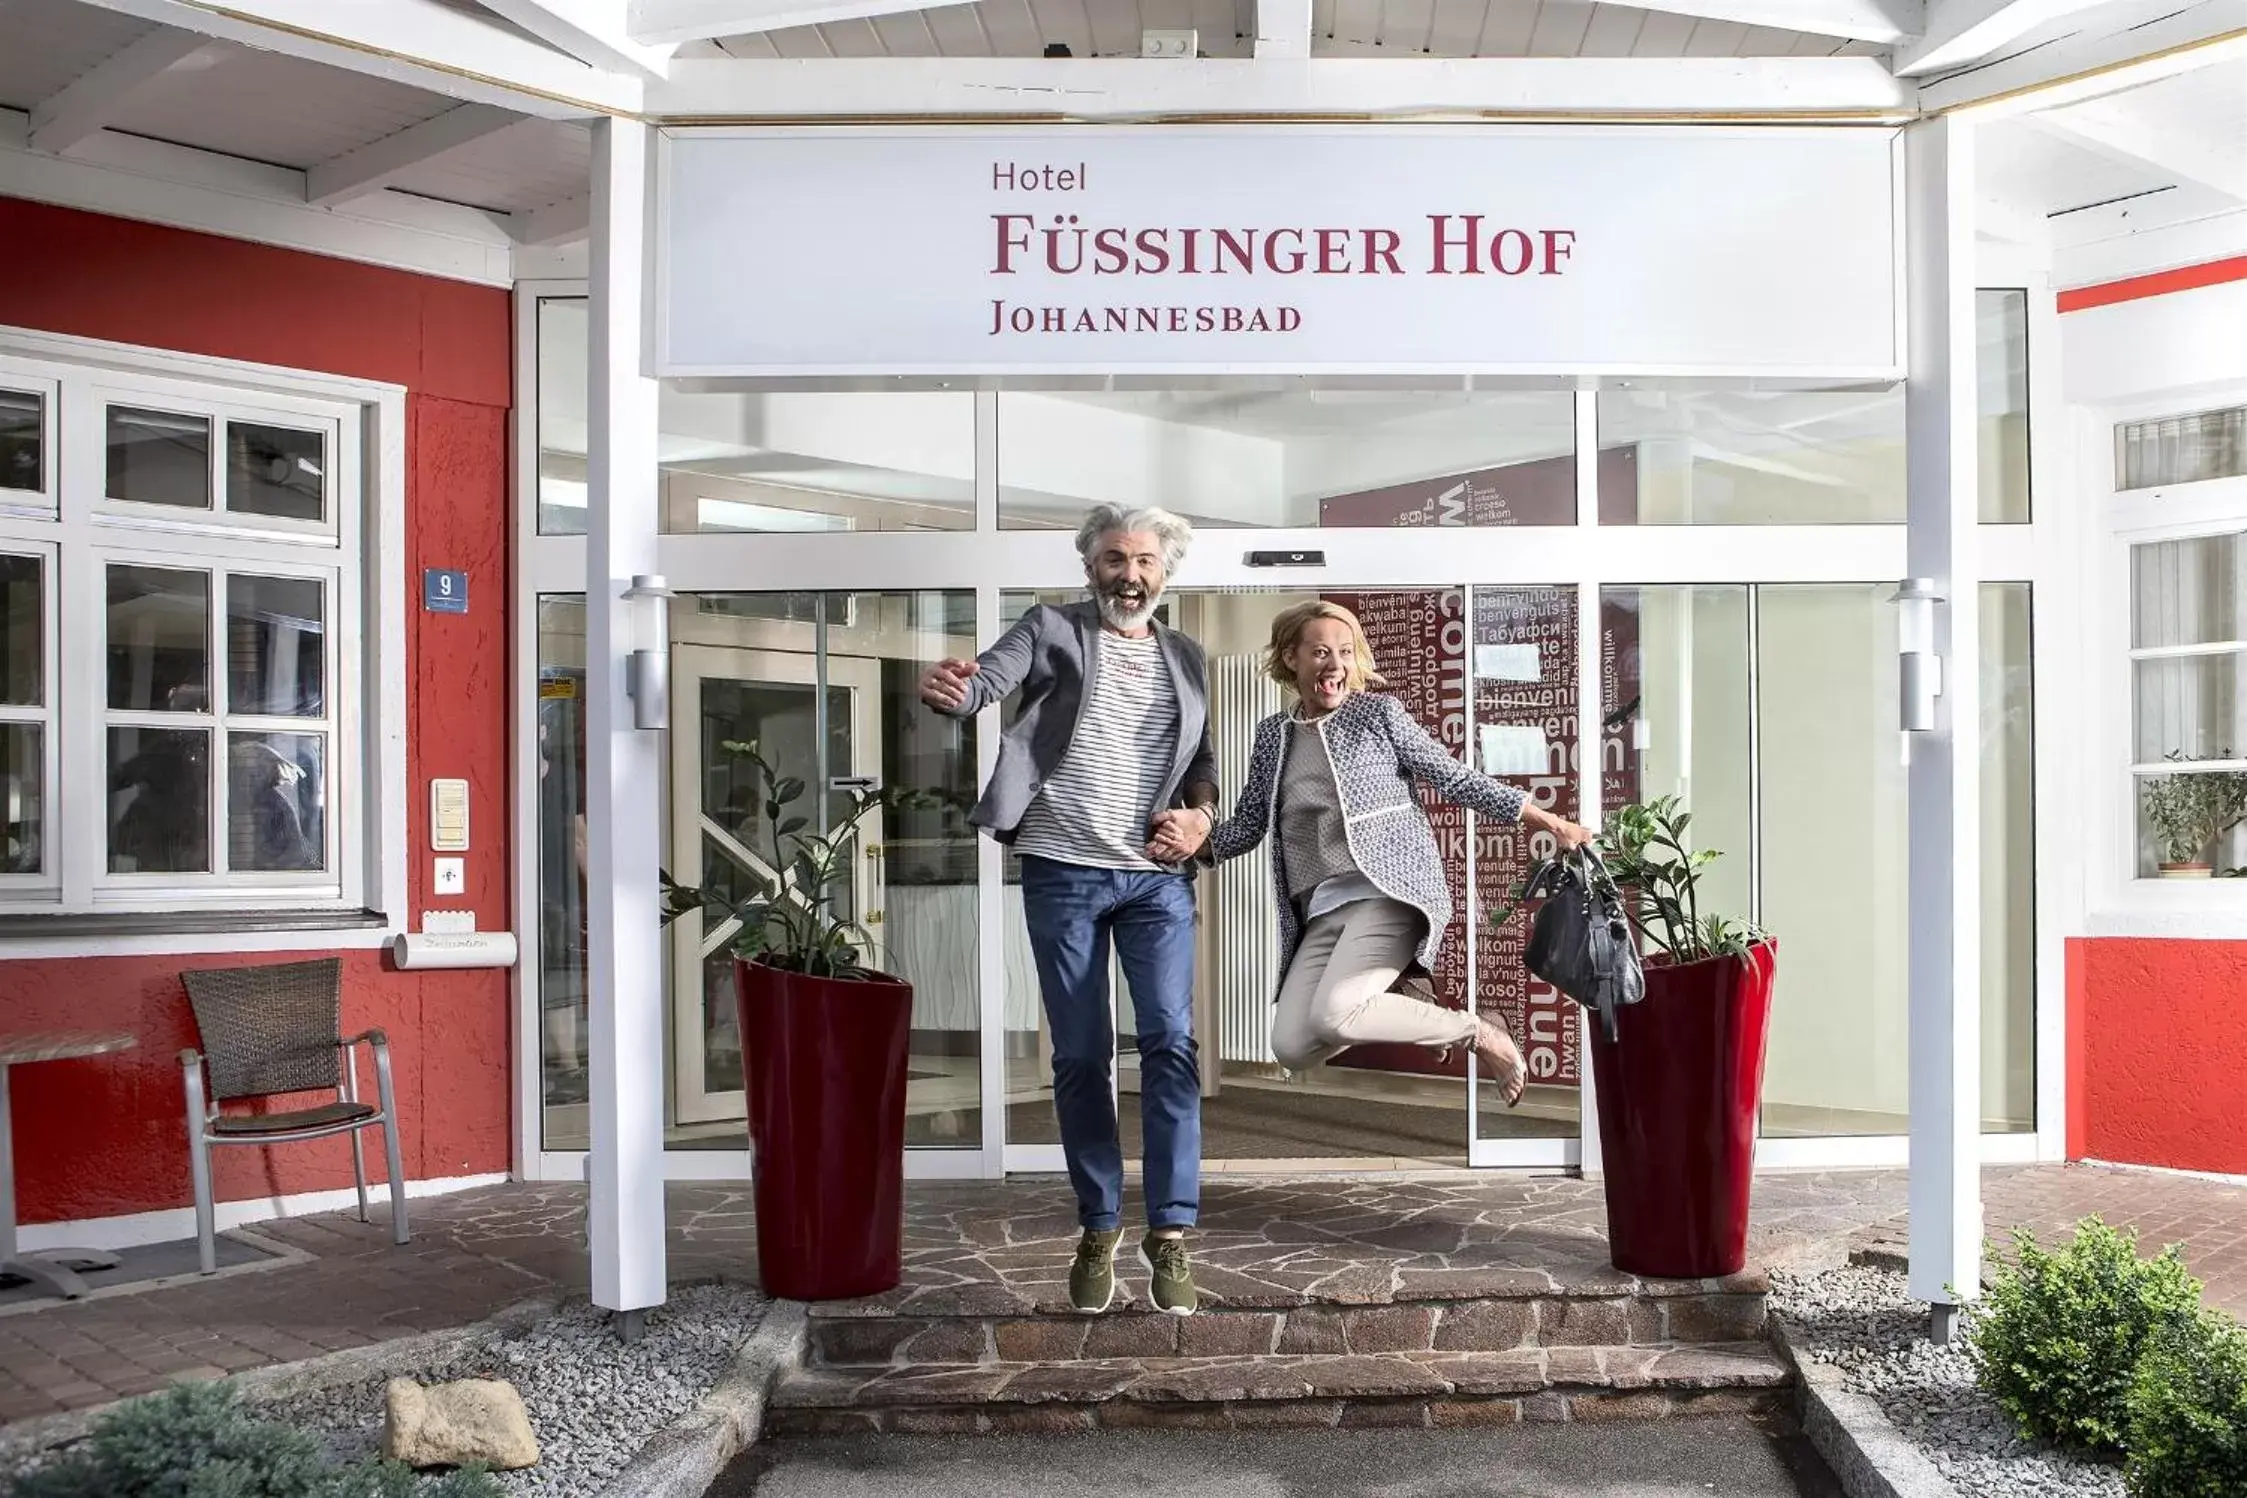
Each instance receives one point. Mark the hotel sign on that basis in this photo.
(1280, 249)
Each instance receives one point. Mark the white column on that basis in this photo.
(1944, 779)
(623, 769)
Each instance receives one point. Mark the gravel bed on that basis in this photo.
(1864, 1322)
(594, 1399)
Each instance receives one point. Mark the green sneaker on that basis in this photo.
(1092, 1276)
(1170, 1275)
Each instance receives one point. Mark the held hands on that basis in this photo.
(944, 685)
(1175, 836)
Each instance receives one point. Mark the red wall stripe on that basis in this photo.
(2157, 1053)
(2160, 283)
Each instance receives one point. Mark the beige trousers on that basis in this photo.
(1337, 990)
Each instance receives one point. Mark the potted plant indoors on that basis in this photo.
(824, 1038)
(2189, 811)
(1680, 1082)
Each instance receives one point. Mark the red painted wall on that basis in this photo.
(2157, 1053)
(103, 1137)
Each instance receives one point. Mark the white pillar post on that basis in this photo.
(623, 768)
(1944, 898)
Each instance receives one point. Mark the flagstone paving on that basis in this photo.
(998, 1251)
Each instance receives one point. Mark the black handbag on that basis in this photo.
(1580, 940)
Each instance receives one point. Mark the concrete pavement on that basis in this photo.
(1657, 1459)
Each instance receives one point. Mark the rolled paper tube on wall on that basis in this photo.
(449, 949)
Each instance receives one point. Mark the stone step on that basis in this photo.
(1652, 1313)
(1412, 1389)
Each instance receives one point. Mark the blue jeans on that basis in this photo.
(1074, 914)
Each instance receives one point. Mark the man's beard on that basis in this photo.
(1121, 611)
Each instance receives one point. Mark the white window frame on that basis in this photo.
(2122, 903)
(356, 551)
(18, 887)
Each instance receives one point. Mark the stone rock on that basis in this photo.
(477, 1420)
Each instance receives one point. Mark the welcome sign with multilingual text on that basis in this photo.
(1268, 249)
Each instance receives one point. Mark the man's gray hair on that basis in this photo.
(1175, 532)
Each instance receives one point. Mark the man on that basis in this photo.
(1105, 784)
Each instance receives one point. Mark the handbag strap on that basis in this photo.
(1595, 873)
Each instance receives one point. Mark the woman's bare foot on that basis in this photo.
(1501, 1058)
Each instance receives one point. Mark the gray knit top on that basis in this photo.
(1313, 836)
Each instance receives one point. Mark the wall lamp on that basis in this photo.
(647, 670)
(1919, 674)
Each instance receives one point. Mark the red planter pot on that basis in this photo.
(824, 1063)
(1678, 1091)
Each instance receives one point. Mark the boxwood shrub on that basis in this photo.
(2057, 1341)
(2188, 1413)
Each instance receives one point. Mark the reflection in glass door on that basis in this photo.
(719, 836)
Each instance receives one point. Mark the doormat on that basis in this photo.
(155, 1266)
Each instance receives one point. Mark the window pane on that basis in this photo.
(764, 462)
(807, 461)
(23, 776)
(2189, 707)
(22, 440)
(159, 458)
(1747, 457)
(1832, 870)
(1290, 456)
(563, 389)
(2186, 592)
(561, 868)
(159, 801)
(159, 640)
(2181, 449)
(2008, 835)
(276, 801)
(1522, 730)
(276, 640)
(23, 632)
(276, 471)
(1674, 690)
(1828, 876)
(2001, 320)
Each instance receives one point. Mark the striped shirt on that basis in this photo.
(1094, 810)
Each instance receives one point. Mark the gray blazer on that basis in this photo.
(1379, 751)
(1049, 655)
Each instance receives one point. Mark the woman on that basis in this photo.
(1359, 883)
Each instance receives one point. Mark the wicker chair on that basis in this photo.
(271, 1029)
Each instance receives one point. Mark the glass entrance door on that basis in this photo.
(719, 836)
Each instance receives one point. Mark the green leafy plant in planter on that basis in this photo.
(1677, 1206)
(809, 991)
(789, 920)
(201, 1441)
(1659, 873)
(2058, 1340)
(2190, 811)
(2188, 1413)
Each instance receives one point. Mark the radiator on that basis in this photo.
(1246, 937)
